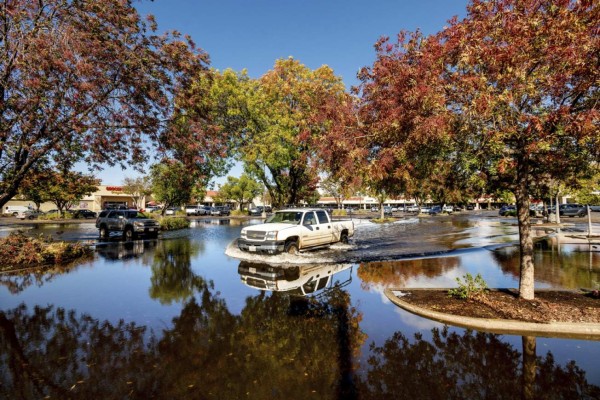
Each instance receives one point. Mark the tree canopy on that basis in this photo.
(271, 122)
(505, 99)
(87, 80)
(172, 184)
(243, 190)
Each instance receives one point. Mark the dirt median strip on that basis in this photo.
(569, 330)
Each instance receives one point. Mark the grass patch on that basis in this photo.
(339, 213)
(239, 213)
(383, 221)
(18, 250)
(172, 223)
(55, 216)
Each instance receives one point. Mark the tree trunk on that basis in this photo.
(556, 211)
(526, 279)
(529, 367)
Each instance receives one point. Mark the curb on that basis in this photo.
(566, 330)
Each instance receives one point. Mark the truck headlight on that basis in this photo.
(271, 235)
(243, 234)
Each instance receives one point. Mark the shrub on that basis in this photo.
(238, 213)
(18, 250)
(470, 288)
(339, 213)
(173, 223)
(55, 216)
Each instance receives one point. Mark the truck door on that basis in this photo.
(310, 231)
(115, 220)
(324, 228)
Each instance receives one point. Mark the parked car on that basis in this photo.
(195, 210)
(412, 208)
(15, 210)
(507, 211)
(256, 211)
(572, 210)
(219, 211)
(171, 211)
(448, 209)
(86, 214)
(387, 211)
(424, 209)
(29, 214)
(435, 210)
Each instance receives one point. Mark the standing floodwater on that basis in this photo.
(178, 318)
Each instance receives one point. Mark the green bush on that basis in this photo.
(383, 221)
(55, 216)
(173, 223)
(18, 250)
(339, 213)
(470, 288)
(239, 213)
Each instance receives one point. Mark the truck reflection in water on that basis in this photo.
(294, 280)
(124, 250)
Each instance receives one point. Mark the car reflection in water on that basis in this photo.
(117, 250)
(302, 280)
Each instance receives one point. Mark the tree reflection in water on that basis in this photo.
(563, 265)
(398, 273)
(474, 365)
(278, 347)
(172, 277)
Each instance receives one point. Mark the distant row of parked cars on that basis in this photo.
(564, 210)
(77, 214)
(203, 210)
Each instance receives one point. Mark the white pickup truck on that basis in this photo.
(295, 230)
(300, 280)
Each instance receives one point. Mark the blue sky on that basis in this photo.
(252, 34)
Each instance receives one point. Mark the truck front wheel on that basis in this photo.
(103, 232)
(128, 233)
(291, 247)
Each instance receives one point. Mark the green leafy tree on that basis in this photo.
(66, 188)
(172, 277)
(589, 192)
(272, 120)
(172, 183)
(242, 190)
(31, 187)
(138, 188)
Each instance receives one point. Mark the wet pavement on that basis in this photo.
(182, 317)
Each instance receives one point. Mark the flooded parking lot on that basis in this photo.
(184, 317)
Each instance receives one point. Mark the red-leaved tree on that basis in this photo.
(83, 79)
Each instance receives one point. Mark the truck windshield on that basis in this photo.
(290, 217)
